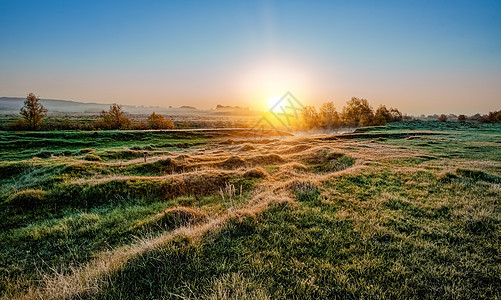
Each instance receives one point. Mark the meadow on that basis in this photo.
(406, 210)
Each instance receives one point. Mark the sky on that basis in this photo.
(422, 57)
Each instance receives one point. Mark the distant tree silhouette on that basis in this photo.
(329, 117)
(358, 112)
(33, 112)
(442, 118)
(156, 121)
(492, 117)
(114, 118)
(461, 118)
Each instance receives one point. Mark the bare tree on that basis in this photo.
(33, 112)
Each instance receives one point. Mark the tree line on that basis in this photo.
(34, 113)
(356, 112)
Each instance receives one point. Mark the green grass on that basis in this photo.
(44, 144)
(422, 222)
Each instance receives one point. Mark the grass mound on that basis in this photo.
(173, 218)
(294, 166)
(266, 159)
(27, 199)
(94, 193)
(86, 151)
(296, 149)
(447, 177)
(159, 167)
(233, 162)
(8, 170)
(247, 147)
(257, 172)
(92, 157)
(478, 175)
(122, 154)
(325, 161)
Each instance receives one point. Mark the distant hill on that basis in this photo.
(12, 105)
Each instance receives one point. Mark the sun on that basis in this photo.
(265, 81)
(273, 103)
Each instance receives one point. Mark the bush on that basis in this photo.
(114, 118)
(159, 122)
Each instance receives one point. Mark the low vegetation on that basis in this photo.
(406, 210)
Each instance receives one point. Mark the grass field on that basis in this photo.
(409, 210)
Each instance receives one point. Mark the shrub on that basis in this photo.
(159, 122)
(114, 118)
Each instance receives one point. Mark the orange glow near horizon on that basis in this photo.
(266, 81)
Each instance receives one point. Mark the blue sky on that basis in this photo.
(420, 56)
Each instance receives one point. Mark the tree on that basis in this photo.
(461, 118)
(159, 122)
(328, 115)
(396, 115)
(384, 115)
(442, 118)
(33, 112)
(358, 112)
(114, 118)
(310, 116)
